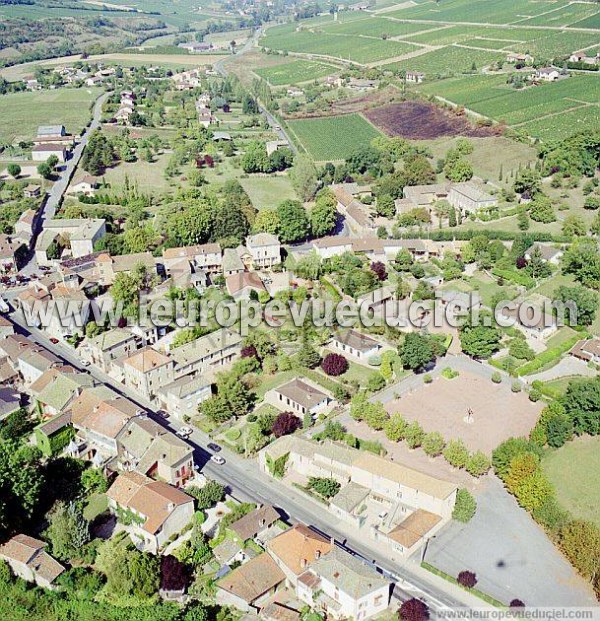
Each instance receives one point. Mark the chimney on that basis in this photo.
(303, 563)
(317, 554)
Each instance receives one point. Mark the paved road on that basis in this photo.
(247, 482)
(55, 196)
(273, 122)
(59, 188)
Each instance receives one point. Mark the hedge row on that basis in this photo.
(519, 278)
(548, 356)
(465, 235)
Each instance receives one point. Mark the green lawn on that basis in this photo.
(333, 138)
(22, 113)
(550, 285)
(97, 504)
(268, 191)
(569, 469)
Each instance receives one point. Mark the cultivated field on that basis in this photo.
(497, 412)
(332, 138)
(448, 60)
(294, 72)
(357, 49)
(569, 469)
(417, 120)
(22, 113)
(538, 109)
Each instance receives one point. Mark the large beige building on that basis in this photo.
(28, 560)
(405, 497)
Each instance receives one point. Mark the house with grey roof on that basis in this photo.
(470, 198)
(147, 447)
(265, 250)
(10, 401)
(301, 397)
(182, 397)
(108, 346)
(355, 344)
(344, 587)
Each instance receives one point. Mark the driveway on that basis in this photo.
(510, 553)
(567, 366)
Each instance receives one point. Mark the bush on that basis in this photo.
(374, 361)
(376, 382)
(325, 487)
(456, 453)
(285, 424)
(414, 435)
(478, 464)
(516, 387)
(433, 444)
(334, 364)
(465, 506)
(427, 378)
(496, 377)
(534, 395)
(449, 373)
(467, 579)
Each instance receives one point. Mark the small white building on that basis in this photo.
(547, 74)
(41, 152)
(265, 250)
(29, 560)
(355, 344)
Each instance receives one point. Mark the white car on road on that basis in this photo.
(184, 432)
(217, 459)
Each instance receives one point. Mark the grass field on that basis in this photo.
(267, 192)
(22, 113)
(569, 469)
(333, 138)
(294, 72)
(142, 174)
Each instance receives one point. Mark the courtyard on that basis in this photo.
(443, 405)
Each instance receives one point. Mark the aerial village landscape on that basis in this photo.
(299, 309)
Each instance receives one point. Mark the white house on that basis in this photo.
(344, 587)
(300, 397)
(355, 344)
(547, 74)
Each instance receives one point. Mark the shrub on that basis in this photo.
(414, 434)
(516, 387)
(334, 364)
(449, 373)
(285, 424)
(456, 453)
(413, 610)
(325, 487)
(467, 579)
(374, 361)
(534, 395)
(516, 603)
(433, 444)
(465, 506)
(376, 382)
(427, 378)
(496, 377)
(478, 464)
